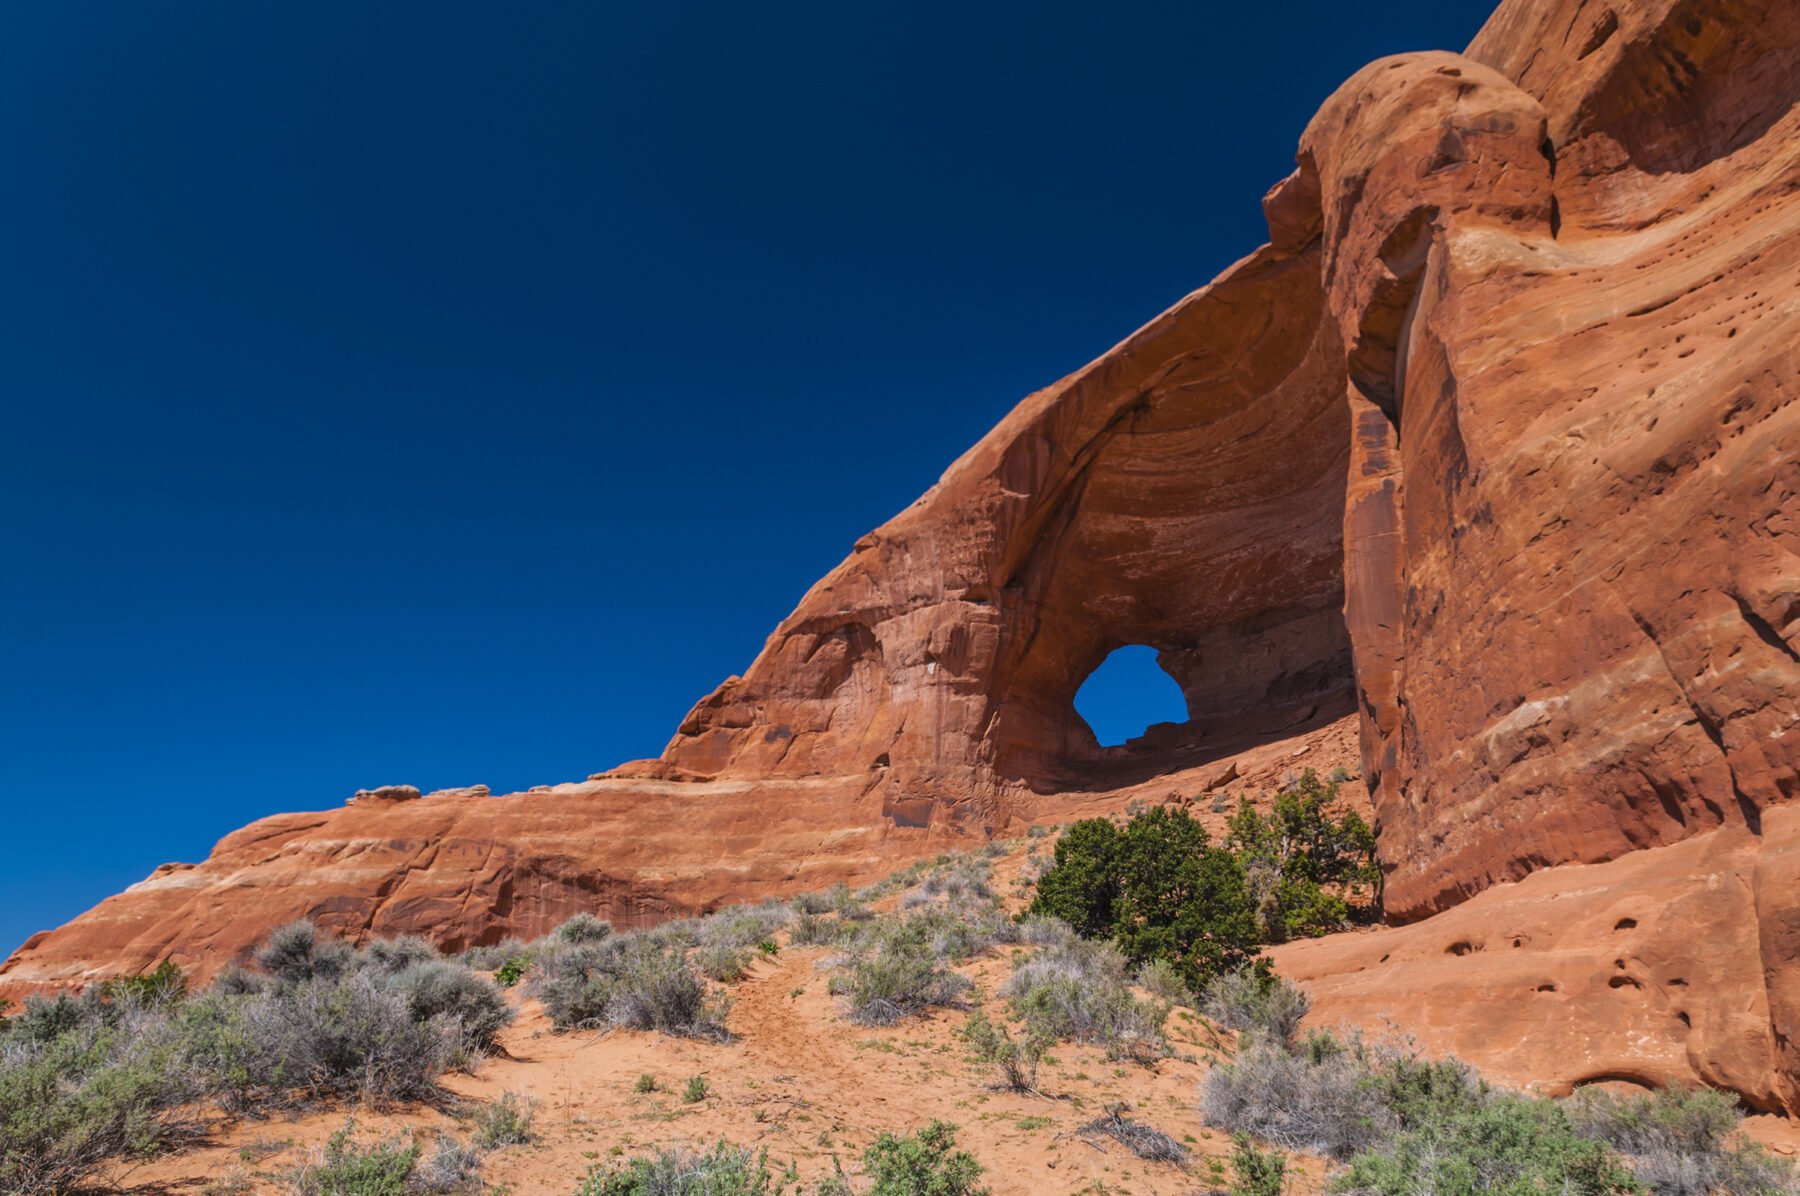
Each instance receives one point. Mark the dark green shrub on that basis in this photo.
(509, 973)
(1082, 887)
(1161, 890)
(1304, 863)
(922, 1164)
(1157, 888)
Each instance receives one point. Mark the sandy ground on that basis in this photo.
(797, 1078)
(800, 1080)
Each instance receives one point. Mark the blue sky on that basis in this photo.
(451, 393)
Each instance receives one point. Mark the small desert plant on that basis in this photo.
(582, 928)
(295, 953)
(1163, 981)
(811, 930)
(1079, 992)
(899, 980)
(450, 1168)
(1016, 1058)
(1042, 930)
(511, 972)
(744, 926)
(723, 962)
(496, 955)
(505, 1121)
(398, 954)
(162, 985)
(346, 1167)
(1255, 1001)
(725, 1170)
(815, 903)
(1319, 1100)
(1255, 1172)
(923, 1164)
(696, 1090)
(645, 1083)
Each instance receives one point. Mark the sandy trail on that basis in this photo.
(797, 1079)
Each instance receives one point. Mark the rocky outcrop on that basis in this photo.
(1492, 448)
(467, 869)
(1672, 965)
(1511, 388)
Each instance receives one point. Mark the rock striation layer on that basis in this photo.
(1491, 448)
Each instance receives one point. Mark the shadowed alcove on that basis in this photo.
(1204, 523)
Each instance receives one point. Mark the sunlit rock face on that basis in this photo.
(1491, 449)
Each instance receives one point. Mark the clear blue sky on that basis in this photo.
(451, 393)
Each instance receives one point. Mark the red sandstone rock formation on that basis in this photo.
(1672, 965)
(1493, 447)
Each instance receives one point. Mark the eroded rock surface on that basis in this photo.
(1491, 449)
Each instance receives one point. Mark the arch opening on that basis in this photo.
(1128, 694)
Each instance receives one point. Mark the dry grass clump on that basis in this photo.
(1254, 1002)
(123, 1070)
(1079, 990)
(639, 981)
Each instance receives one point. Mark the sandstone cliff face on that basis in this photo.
(1491, 448)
